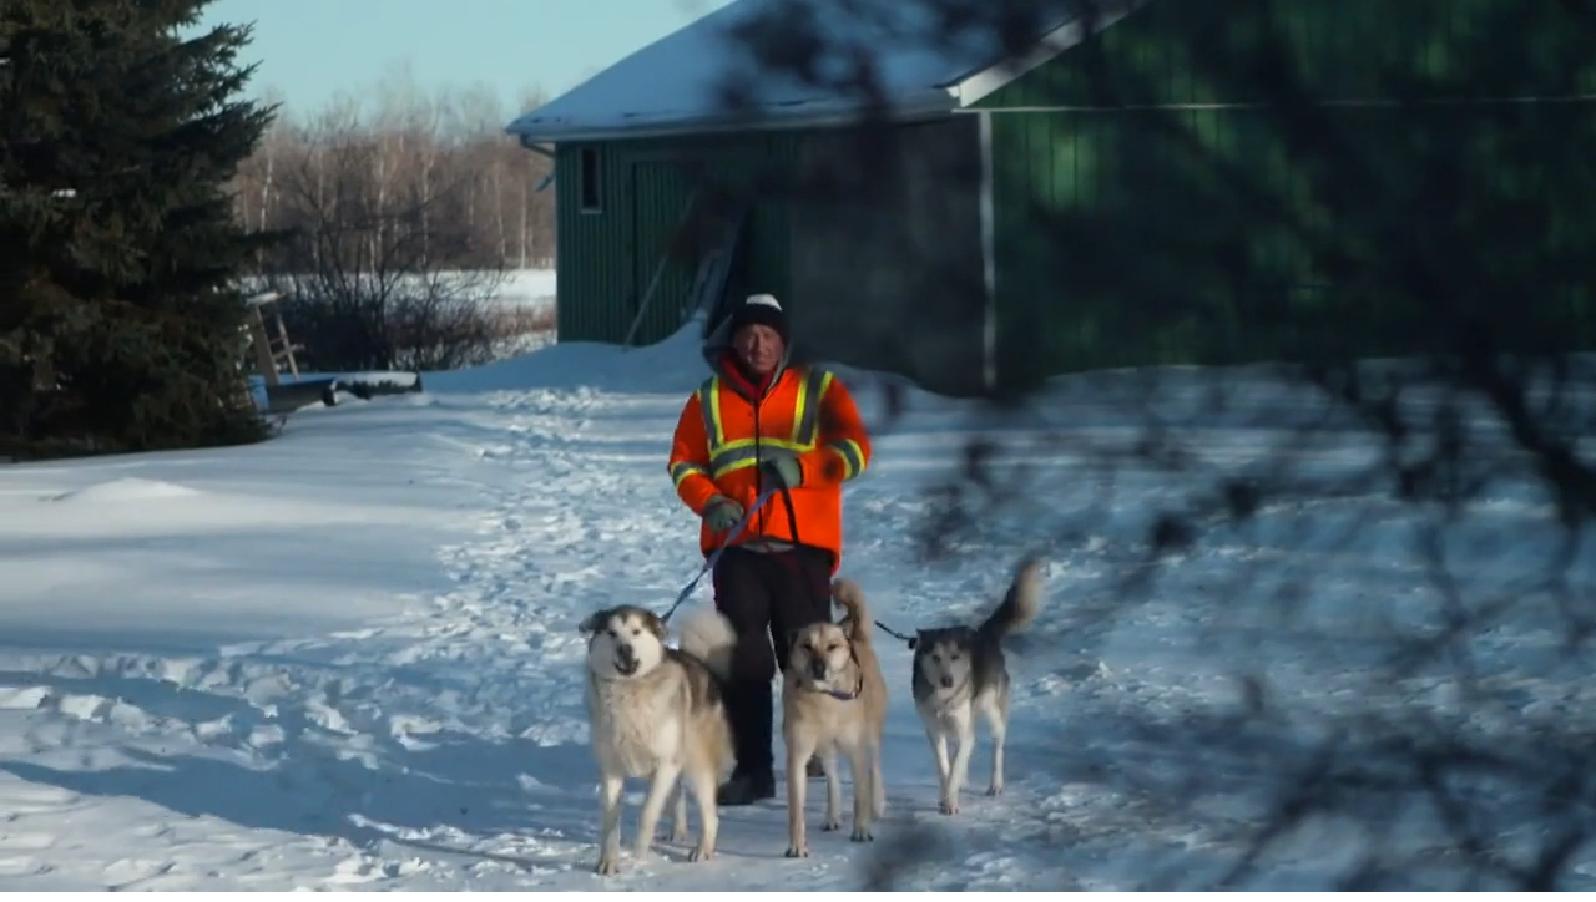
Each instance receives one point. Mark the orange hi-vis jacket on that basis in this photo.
(806, 411)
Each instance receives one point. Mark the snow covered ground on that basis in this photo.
(526, 288)
(349, 656)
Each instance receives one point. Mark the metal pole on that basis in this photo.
(988, 255)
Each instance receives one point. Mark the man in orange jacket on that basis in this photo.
(757, 424)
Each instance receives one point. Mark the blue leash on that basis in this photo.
(730, 537)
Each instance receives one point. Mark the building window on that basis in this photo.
(590, 181)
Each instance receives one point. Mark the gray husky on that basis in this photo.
(959, 671)
(657, 712)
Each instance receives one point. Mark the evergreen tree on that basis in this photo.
(119, 133)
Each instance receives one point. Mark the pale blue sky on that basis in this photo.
(312, 50)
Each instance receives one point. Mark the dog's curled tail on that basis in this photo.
(708, 636)
(851, 599)
(1021, 602)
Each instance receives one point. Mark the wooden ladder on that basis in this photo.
(273, 352)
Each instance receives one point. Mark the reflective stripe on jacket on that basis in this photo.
(808, 413)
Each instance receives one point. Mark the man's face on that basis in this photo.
(758, 347)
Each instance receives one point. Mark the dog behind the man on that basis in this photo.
(834, 699)
(657, 712)
(959, 671)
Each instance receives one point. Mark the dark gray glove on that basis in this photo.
(722, 513)
(780, 468)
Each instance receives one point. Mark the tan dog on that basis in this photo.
(833, 698)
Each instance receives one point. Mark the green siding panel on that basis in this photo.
(662, 272)
(1217, 181)
(1210, 51)
(594, 252)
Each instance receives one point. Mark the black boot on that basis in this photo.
(746, 789)
(749, 709)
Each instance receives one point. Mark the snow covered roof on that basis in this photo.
(680, 83)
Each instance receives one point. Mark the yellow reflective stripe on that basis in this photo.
(739, 454)
(738, 464)
(807, 419)
(684, 469)
(709, 401)
(852, 456)
(723, 460)
(767, 442)
(798, 408)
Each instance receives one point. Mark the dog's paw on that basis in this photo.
(831, 825)
(949, 806)
(700, 853)
(996, 789)
(608, 867)
(797, 851)
(862, 834)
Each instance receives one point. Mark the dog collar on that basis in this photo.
(858, 690)
(848, 696)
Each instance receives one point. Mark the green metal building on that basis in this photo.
(1128, 185)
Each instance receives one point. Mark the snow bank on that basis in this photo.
(127, 489)
(672, 366)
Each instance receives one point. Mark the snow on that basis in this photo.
(526, 288)
(672, 366)
(129, 488)
(348, 657)
(531, 287)
(680, 79)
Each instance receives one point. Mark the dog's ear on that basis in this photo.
(593, 623)
(654, 624)
(914, 640)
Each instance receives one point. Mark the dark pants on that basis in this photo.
(767, 596)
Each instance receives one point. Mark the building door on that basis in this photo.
(664, 254)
